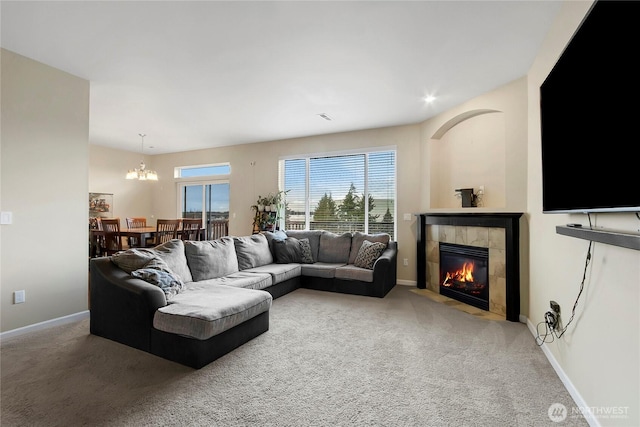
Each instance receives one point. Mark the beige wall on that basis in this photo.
(481, 142)
(247, 181)
(600, 352)
(45, 132)
(107, 170)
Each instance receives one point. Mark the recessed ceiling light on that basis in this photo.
(429, 99)
(325, 116)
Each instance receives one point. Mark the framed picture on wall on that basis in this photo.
(101, 205)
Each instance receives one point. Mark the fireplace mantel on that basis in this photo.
(510, 221)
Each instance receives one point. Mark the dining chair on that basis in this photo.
(135, 222)
(219, 228)
(166, 229)
(191, 228)
(112, 238)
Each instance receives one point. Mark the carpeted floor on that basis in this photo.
(328, 360)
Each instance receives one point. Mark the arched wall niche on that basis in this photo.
(469, 151)
(459, 119)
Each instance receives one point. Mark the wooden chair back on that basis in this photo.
(191, 228)
(135, 222)
(112, 238)
(218, 229)
(166, 229)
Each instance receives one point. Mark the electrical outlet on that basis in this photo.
(19, 297)
(554, 306)
(405, 262)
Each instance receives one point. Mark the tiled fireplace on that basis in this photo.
(485, 247)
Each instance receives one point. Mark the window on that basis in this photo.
(210, 198)
(341, 193)
(202, 170)
(200, 196)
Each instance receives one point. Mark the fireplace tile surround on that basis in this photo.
(499, 232)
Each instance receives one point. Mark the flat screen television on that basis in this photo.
(590, 116)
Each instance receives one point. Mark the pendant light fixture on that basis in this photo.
(142, 174)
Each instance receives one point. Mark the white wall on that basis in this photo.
(45, 133)
(600, 352)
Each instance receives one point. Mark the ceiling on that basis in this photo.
(203, 74)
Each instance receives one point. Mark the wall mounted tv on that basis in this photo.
(590, 116)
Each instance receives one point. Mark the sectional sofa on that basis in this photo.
(194, 301)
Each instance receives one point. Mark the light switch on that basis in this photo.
(407, 217)
(6, 218)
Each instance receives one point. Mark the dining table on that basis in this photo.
(144, 235)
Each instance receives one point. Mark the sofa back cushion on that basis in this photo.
(334, 247)
(252, 251)
(171, 252)
(312, 235)
(211, 259)
(358, 238)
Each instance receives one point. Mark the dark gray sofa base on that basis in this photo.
(196, 353)
(352, 287)
(284, 288)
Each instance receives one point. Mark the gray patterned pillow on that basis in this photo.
(368, 253)
(306, 256)
(165, 280)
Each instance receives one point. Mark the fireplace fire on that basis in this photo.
(464, 274)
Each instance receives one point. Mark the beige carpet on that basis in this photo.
(327, 360)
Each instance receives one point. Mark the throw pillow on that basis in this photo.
(306, 257)
(172, 252)
(132, 259)
(169, 283)
(368, 253)
(287, 251)
(359, 237)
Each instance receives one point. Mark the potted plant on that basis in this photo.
(262, 203)
(277, 198)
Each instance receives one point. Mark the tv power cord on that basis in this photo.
(551, 322)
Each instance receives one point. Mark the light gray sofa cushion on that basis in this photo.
(279, 272)
(240, 279)
(334, 247)
(351, 272)
(321, 269)
(211, 259)
(171, 252)
(203, 313)
(359, 237)
(312, 235)
(252, 251)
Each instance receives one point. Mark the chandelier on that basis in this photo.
(142, 173)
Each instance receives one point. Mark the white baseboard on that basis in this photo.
(406, 283)
(45, 325)
(575, 395)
